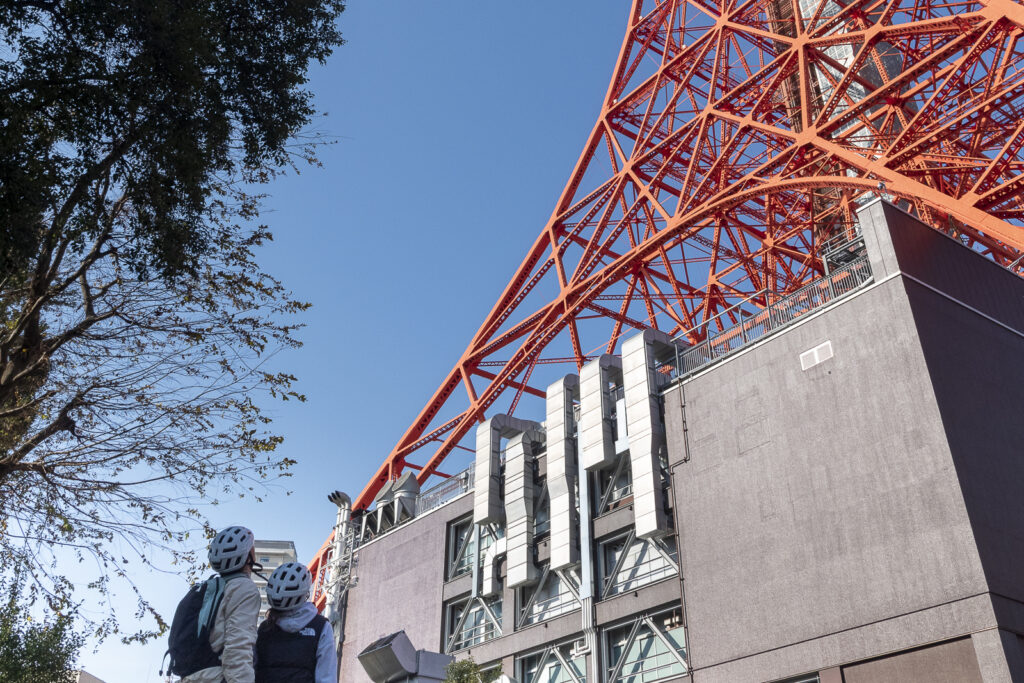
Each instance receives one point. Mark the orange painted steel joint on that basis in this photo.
(734, 140)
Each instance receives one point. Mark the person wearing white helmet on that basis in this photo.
(233, 633)
(295, 643)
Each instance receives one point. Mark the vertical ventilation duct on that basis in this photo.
(520, 465)
(561, 462)
(641, 382)
(487, 504)
(597, 435)
(490, 587)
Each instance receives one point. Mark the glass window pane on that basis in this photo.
(552, 598)
(460, 548)
(648, 657)
(477, 627)
(643, 564)
(531, 670)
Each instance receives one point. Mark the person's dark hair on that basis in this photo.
(273, 615)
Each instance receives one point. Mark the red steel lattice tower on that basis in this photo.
(734, 139)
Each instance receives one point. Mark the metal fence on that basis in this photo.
(751, 326)
(452, 487)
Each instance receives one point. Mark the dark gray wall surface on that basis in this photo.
(400, 582)
(817, 501)
(952, 662)
(977, 372)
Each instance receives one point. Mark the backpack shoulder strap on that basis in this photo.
(213, 593)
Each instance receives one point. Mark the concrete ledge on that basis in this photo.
(531, 638)
(635, 602)
(612, 522)
(457, 588)
(923, 627)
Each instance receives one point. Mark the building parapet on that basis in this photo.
(743, 328)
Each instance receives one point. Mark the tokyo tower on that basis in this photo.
(736, 139)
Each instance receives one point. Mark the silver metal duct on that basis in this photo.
(487, 503)
(340, 567)
(641, 382)
(561, 463)
(520, 495)
(392, 659)
(404, 493)
(596, 433)
(383, 518)
(491, 584)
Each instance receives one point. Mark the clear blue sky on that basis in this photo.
(458, 124)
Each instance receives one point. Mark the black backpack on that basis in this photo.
(189, 642)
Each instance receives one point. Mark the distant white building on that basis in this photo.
(86, 677)
(271, 554)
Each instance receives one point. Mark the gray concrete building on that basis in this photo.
(829, 489)
(271, 554)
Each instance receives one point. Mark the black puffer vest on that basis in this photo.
(283, 657)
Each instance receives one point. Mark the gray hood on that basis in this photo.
(294, 619)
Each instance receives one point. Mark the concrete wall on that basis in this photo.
(400, 584)
(819, 501)
(872, 503)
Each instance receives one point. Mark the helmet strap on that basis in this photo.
(257, 568)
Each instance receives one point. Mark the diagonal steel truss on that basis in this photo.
(734, 139)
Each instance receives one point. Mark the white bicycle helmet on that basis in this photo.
(230, 549)
(289, 586)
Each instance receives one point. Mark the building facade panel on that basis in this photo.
(820, 500)
(400, 581)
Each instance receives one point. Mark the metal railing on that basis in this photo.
(438, 495)
(748, 327)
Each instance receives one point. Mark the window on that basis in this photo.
(460, 548)
(615, 485)
(554, 595)
(264, 560)
(647, 649)
(542, 513)
(461, 545)
(489, 533)
(554, 665)
(626, 563)
(471, 621)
